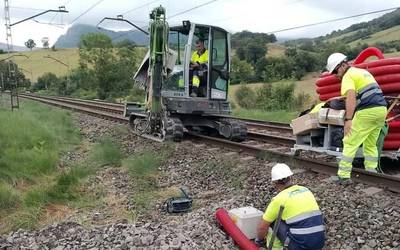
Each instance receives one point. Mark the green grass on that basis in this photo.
(31, 140)
(8, 196)
(37, 63)
(336, 38)
(143, 169)
(305, 85)
(386, 35)
(106, 152)
(275, 116)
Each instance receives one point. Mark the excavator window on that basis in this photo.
(219, 64)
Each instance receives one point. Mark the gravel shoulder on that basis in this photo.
(215, 177)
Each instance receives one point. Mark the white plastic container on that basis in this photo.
(247, 219)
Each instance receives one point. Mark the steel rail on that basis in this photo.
(103, 107)
(389, 182)
(271, 138)
(119, 109)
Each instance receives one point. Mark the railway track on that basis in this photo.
(118, 108)
(260, 144)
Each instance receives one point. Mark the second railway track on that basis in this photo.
(259, 143)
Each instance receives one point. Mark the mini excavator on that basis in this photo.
(166, 72)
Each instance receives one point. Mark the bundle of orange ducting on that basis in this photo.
(386, 72)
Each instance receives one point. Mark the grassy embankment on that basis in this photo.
(36, 186)
(36, 62)
(306, 85)
(31, 141)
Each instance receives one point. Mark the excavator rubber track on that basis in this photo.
(234, 130)
(173, 128)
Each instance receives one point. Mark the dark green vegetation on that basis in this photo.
(307, 55)
(272, 97)
(32, 141)
(30, 44)
(35, 176)
(18, 76)
(105, 70)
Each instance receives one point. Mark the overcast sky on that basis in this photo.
(233, 15)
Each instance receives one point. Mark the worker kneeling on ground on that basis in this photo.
(301, 223)
(365, 114)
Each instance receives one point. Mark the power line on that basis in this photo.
(196, 7)
(25, 8)
(139, 7)
(333, 20)
(86, 11)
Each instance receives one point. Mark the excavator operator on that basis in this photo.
(198, 68)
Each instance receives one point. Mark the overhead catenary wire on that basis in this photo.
(86, 11)
(172, 16)
(139, 7)
(195, 7)
(333, 20)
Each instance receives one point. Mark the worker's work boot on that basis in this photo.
(371, 170)
(344, 181)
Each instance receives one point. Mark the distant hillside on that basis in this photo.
(72, 37)
(364, 29)
(3, 46)
(382, 29)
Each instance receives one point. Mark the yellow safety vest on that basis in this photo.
(369, 94)
(296, 199)
(203, 58)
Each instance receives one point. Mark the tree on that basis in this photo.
(95, 40)
(12, 78)
(30, 44)
(125, 43)
(46, 81)
(241, 71)
(255, 51)
(45, 42)
(111, 68)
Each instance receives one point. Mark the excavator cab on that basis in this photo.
(213, 75)
(180, 106)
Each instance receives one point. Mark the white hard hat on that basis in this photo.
(334, 60)
(280, 171)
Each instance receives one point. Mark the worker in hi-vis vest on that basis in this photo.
(365, 114)
(198, 65)
(293, 213)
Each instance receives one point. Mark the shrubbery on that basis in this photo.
(105, 70)
(272, 97)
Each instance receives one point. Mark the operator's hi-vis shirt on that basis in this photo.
(296, 200)
(203, 58)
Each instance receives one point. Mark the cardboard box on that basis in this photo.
(304, 123)
(331, 116)
(246, 219)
